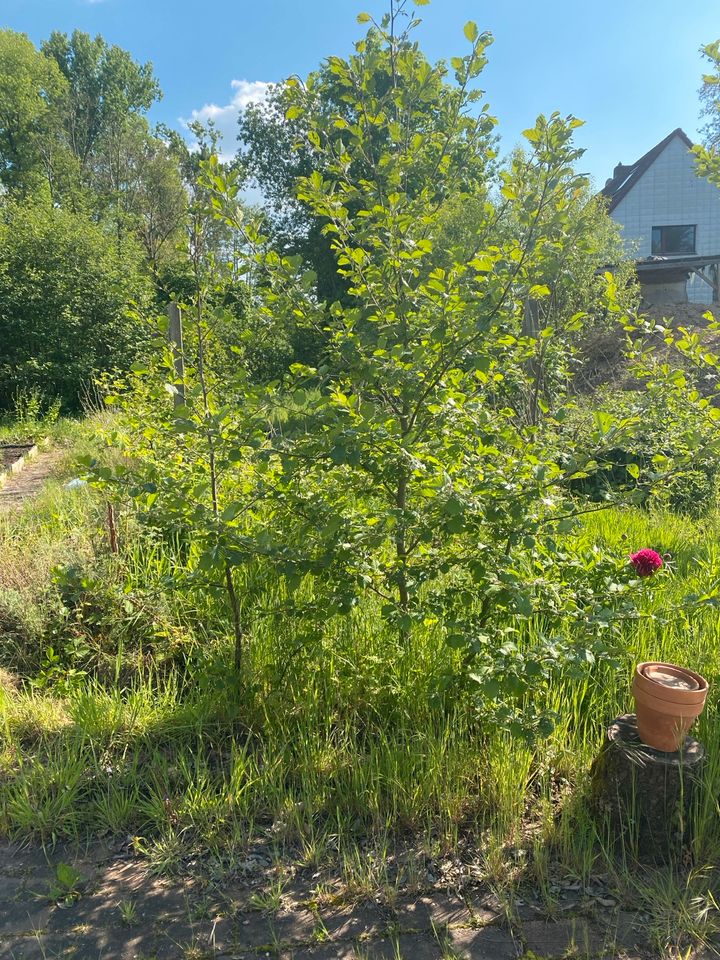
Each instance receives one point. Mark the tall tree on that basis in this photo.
(105, 86)
(139, 181)
(33, 93)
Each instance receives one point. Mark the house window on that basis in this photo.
(669, 240)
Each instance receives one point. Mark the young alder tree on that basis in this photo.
(416, 468)
(196, 442)
(404, 465)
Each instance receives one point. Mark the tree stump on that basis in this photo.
(644, 793)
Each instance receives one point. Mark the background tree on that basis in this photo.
(268, 352)
(565, 308)
(84, 179)
(710, 94)
(140, 184)
(276, 151)
(33, 94)
(105, 87)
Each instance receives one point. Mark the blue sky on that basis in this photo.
(629, 68)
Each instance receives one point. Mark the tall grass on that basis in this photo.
(340, 740)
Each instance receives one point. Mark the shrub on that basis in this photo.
(692, 492)
(65, 288)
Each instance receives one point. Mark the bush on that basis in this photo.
(692, 492)
(65, 288)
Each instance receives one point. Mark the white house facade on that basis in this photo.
(667, 212)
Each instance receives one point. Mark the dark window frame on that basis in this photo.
(661, 246)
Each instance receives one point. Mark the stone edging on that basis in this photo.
(29, 452)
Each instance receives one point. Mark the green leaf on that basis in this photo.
(471, 31)
(364, 18)
(230, 512)
(456, 640)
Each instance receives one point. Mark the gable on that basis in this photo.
(663, 189)
(626, 176)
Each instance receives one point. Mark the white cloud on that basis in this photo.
(225, 117)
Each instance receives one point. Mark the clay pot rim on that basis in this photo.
(650, 689)
(672, 708)
(651, 671)
(670, 694)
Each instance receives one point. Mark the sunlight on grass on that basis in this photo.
(344, 741)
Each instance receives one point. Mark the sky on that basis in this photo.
(629, 68)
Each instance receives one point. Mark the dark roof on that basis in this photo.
(625, 176)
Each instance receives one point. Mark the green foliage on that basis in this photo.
(105, 85)
(67, 885)
(710, 94)
(687, 406)
(140, 190)
(693, 492)
(707, 156)
(427, 472)
(196, 476)
(276, 148)
(32, 95)
(419, 462)
(65, 291)
(83, 178)
(32, 412)
(671, 457)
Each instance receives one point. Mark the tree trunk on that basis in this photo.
(238, 633)
(646, 794)
(401, 555)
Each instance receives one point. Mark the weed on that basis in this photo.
(128, 913)
(67, 885)
(269, 900)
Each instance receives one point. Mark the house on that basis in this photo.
(670, 219)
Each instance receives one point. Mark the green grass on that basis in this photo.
(338, 743)
(34, 417)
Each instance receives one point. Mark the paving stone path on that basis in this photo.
(29, 481)
(100, 906)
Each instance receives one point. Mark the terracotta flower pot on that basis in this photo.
(667, 701)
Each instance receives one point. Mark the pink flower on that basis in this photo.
(646, 562)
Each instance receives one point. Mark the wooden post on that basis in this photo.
(175, 336)
(531, 318)
(646, 794)
(531, 328)
(112, 528)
